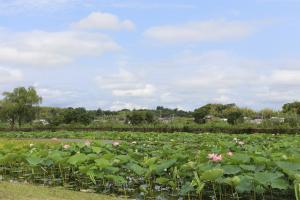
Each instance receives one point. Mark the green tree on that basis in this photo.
(8, 112)
(247, 112)
(135, 118)
(20, 105)
(55, 116)
(234, 116)
(291, 108)
(149, 117)
(267, 113)
(200, 113)
(217, 110)
(77, 115)
(140, 117)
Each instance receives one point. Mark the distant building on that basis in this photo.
(249, 120)
(224, 119)
(277, 119)
(41, 121)
(165, 120)
(256, 121)
(209, 118)
(212, 118)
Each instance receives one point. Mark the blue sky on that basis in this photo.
(139, 54)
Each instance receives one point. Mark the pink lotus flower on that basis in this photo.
(215, 157)
(66, 146)
(229, 153)
(211, 155)
(116, 143)
(87, 143)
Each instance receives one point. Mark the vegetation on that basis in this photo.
(21, 106)
(235, 116)
(140, 117)
(217, 110)
(152, 164)
(291, 108)
(217, 166)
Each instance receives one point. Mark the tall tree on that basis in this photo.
(77, 115)
(20, 105)
(291, 107)
(140, 117)
(217, 110)
(234, 115)
(267, 113)
(200, 113)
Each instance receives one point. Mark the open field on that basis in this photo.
(17, 191)
(139, 165)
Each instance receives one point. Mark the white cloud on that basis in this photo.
(104, 21)
(125, 84)
(145, 90)
(168, 97)
(137, 4)
(18, 6)
(222, 99)
(202, 31)
(215, 70)
(44, 48)
(289, 77)
(118, 105)
(209, 77)
(60, 97)
(52, 48)
(278, 96)
(223, 77)
(123, 79)
(48, 93)
(8, 75)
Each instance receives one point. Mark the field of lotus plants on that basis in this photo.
(158, 165)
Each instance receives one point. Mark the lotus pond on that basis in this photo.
(160, 165)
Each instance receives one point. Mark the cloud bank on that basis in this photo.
(201, 31)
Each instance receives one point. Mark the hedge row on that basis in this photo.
(166, 130)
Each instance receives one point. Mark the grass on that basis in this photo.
(17, 191)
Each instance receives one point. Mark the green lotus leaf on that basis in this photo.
(245, 184)
(137, 169)
(162, 180)
(96, 150)
(288, 165)
(231, 169)
(266, 178)
(280, 183)
(212, 175)
(240, 158)
(77, 159)
(34, 160)
(103, 163)
(118, 180)
(248, 167)
(233, 181)
(164, 165)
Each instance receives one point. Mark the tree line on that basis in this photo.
(22, 106)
